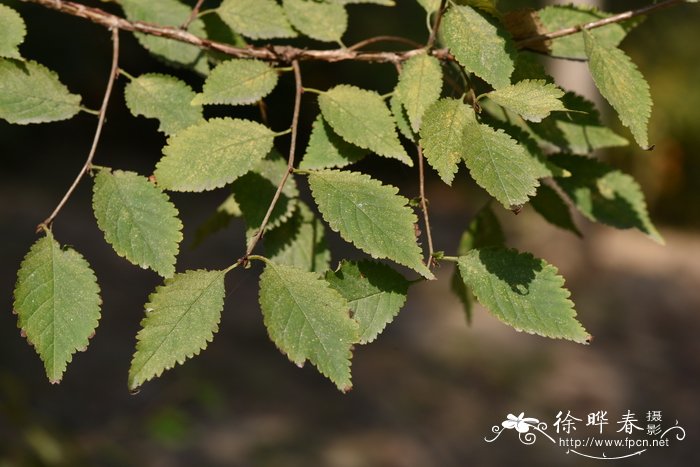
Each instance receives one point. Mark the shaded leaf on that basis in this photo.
(360, 117)
(483, 231)
(522, 291)
(164, 98)
(577, 132)
(533, 100)
(12, 32)
(138, 220)
(31, 93)
(211, 154)
(254, 192)
(622, 85)
(554, 209)
(238, 82)
(227, 211)
(300, 242)
(322, 21)
(370, 215)
(257, 19)
(375, 292)
(442, 135)
(168, 13)
(605, 195)
(308, 320)
(57, 302)
(328, 150)
(420, 84)
(181, 319)
(479, 45)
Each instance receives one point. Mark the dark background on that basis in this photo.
(429, 390)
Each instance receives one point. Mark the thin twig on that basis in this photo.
(193, 15)
(98, 132)
(600, 23)
(436, 24)
(290, 160)
(374, 40)
(424, 205)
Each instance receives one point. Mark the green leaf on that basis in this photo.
(57, 302)
(31, 93)
(12, 32)
(257, 19)
(307, 320)
(328, 150)
(550, 205)
(479, 45)
(322, 21)
(442, 135)
(401, 117)
(420, 84)
(238, 82)
(168, 13)
(558, 17)
(605, 195)
(578, 132)
(300, 242)
(181, 319)
(360, 117)
(522, 291)
(622, 85)
(375, 292)
(499, 164)
(164, 98)
(370, 215)
(375, 2)
(227, 211)
(138, 220)
(484, 231)
(212, 154)
(254, 192)
(533, 100)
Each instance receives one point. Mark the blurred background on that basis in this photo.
(428, 391)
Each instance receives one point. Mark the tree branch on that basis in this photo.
(424, 205)
(287, 54)
(290, 160)
(98, 132)
(600, 23)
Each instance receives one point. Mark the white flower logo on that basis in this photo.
(521, 423)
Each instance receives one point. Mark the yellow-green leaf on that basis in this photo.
(362, 118)
(164, 98)
(138, 220)
(12, 32)
(181, 319)
(308, 320)
(257, 19)
(57, 302)
(212, 154)
(622, 85)
(420, 84)
(323, 21)
(480, 46)
(533, 100)
(370, 215)
(238, 82)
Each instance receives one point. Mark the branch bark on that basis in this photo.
(287, 54)
(98, 132)
(424, 205)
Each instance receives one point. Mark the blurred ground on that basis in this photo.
(430, 389)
